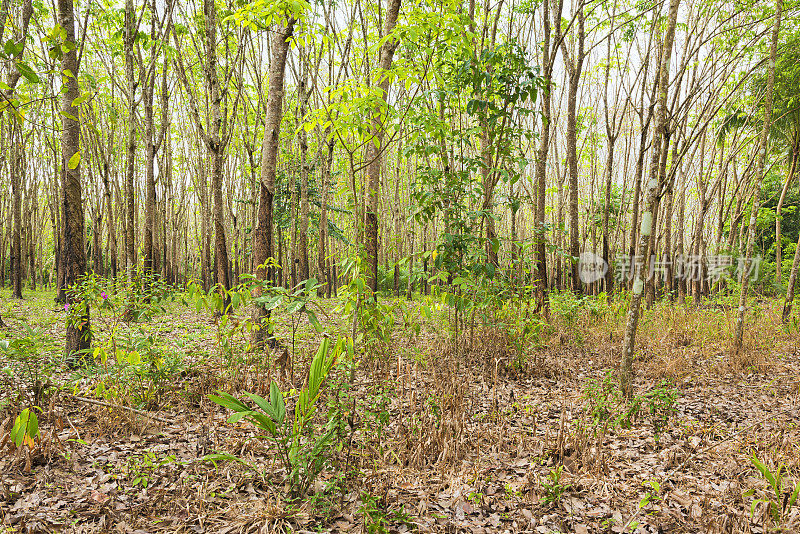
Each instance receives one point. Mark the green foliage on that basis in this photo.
(262, 14)
(140, 372)
(300, 446)
(297, 301)
(603, 400)
(554, 488)
(607, 407)
(375, 319)
(380, 520)
(781, 498)
(28, 369)
(26, 428)
(141, 468)
(223, 303)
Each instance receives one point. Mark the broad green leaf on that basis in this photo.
(27, 72)
(229, 401)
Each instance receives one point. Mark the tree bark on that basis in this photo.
(130, 192)
(73, 254)
(574, 70)
(779, 217)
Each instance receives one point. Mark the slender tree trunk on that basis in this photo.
(302, 238)
(653, 192)
(15, 165)
(763, 148)
(375, 149)
(323, 219)
(130, 205)
(787, 306)
(574, 70)
(779, 217)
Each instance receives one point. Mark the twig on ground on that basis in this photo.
(127, 408)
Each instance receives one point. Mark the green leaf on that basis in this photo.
(312, 318)
(28, 72)
(26, 425)
(81, 99)
(229, 401)
(276, 400)
(222, 457)
(294, 307)
(793, 498)
(263, 404)
(74, 161)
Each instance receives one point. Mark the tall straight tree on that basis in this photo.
(159, 32)
(376, 148)
(131, 26)
(574, 63)
(217, 135)
(654, 190)
(763, 149)
(15, 134)
(73, 254)
(263, 234)
(549, 49)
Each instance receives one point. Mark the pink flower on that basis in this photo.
(66, 307)
(103, 294)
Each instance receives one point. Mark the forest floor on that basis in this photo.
(475, 435)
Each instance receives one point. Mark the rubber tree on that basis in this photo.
(15, 134)
(73, 254)
(376, 148)
(654, 190)
(763, 150)
(159, 32)
(216, 135)
(573, 60)
(263, 234)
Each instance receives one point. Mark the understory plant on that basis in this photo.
(607, 406)
(300, 445)
(780, 498)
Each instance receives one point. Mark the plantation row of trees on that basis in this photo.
(495, 141)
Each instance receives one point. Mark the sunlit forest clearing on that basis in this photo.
(382, 266)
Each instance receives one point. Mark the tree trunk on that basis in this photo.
(302, 238)
(574, 70)
(15, 165)
(73, 255)
(787, 306)
(263, 233)
(323, 220)
(763, 148)
(653, 192)
(375, 150)
(779, 217)
(130, 206)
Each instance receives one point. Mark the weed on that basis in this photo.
(379, 520)
(782, 498)
(28, 371)
(142, 467)
(554, 488)
(303, 452)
